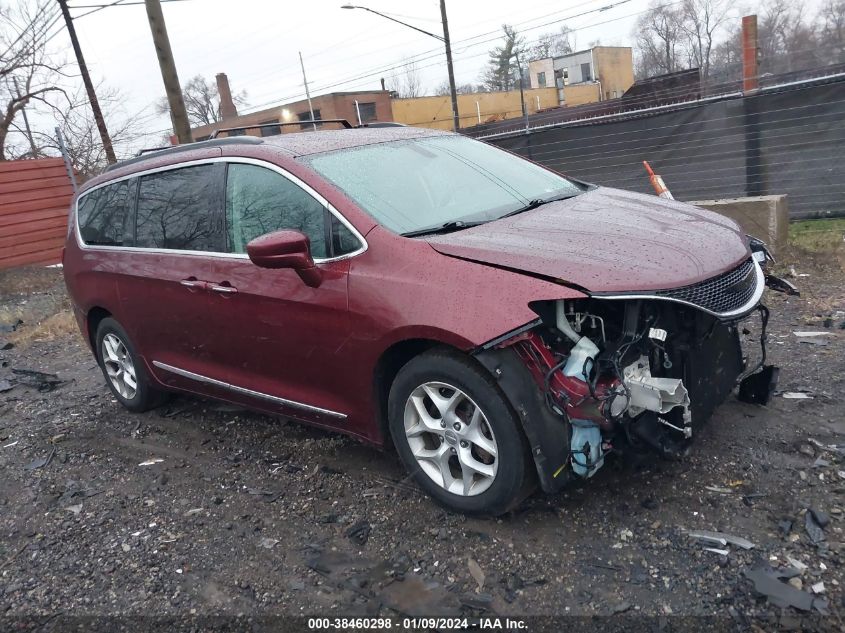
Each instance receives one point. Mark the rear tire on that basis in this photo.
(125, 374)
(457, 435)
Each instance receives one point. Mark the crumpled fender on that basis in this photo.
(547, 433)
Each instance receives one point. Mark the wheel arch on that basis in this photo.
(93, 318)
(391, 361)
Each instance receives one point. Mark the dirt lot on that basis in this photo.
(247, 514)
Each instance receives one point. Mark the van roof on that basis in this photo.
(296, 143)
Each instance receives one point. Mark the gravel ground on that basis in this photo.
(247, 514)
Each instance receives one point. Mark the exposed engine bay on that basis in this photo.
(638, 374)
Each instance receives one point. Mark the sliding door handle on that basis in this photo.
(195, 284)
(229, 290)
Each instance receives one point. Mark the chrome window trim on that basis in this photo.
(755, 299)
(205, 161)
(249, 392)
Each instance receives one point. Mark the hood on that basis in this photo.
(606, 240)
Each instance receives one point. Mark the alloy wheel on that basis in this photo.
(451, 439)
(119, 366)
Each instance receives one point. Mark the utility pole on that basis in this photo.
(178, 115)
(307, 93)
(89, 87)
(522, 93)
(456, 120)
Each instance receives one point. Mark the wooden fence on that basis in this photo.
(35, 197)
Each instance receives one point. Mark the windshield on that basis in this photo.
(411, 185)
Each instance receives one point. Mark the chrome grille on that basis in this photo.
(721, 294)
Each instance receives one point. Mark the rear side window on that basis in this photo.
(180, 209)
(260, 201)
(104, 215)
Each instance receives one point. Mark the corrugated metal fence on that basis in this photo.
(34, 200)
(786, 139)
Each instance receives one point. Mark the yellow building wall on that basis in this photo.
(436, 112)
(579, 94)
(615, 69)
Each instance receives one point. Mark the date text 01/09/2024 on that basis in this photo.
(416, 623)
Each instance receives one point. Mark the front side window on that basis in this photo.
(541, 80)
(411, 185)
(260, 201)
(104, 215)
(179, 209)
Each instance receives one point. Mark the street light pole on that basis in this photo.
(445, 39)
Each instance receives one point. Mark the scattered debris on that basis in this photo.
(721, 552)
(722, 538)
(359, 532)
(768, 583)
(42, 381)
(620, 607)
(817, 588)
(476, 572)
(814, 530)
(5, 385)
(796, 395)
(76, 509)
(797, 564)
(151, 462)
(815, 340)
(724, 491)
(11, 444)
(269, 496)
(41, 462)
(10, 327)
(268, 543)
(810, 334)
(6, 345)
(822, 518)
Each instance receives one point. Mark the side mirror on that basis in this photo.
(286, 249)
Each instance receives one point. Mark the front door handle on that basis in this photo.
(222, 289)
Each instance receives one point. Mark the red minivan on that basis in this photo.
(502, 325)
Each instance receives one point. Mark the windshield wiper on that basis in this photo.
(533, 204)
(447, 227)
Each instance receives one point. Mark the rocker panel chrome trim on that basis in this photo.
(249, 392)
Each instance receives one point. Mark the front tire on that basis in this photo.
(123, 369)
(458, 436)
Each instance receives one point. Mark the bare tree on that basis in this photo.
(502, 71)
(553, 44)
(407, 83)
(659, 39)
(832, 31)
(461, 89)
(787, 41)
(202, 101)
(27, 72)
(82, 138)
(701, 21)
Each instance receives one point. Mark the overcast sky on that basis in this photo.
(256, 42)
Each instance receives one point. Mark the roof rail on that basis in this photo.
(245, 127)
(145, 154)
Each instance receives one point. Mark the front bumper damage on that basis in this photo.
(637, 373)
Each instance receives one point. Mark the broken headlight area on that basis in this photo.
(626, 375)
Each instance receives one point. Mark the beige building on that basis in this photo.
(595, 74)
(355, 107)
(475, 108)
